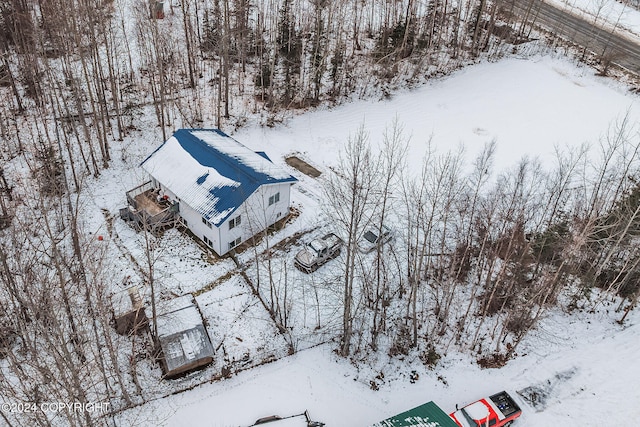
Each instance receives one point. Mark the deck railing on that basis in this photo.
(165, 218)
(131, 194)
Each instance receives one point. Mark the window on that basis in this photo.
(235, 243)
(207, 241)
(204, 221)
(274, 199)
(234, 222)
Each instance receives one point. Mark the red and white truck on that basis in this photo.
(498, 410)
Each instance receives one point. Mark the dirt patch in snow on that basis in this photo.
(302, 166)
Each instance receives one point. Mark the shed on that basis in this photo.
(182, 337)
(222, 191)
(427, 415)
(128, 311)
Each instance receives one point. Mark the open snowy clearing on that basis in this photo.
(530, 107)
(600, 392)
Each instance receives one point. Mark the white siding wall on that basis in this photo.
(194, 221)
(256, 215)
(229, 234)
(199, 228)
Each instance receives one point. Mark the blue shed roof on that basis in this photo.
(211, 172)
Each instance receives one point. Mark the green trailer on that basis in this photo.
(427, 415)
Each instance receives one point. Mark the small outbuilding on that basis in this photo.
(128, 312)
(182, 337)
(219, 189)
(427, 415)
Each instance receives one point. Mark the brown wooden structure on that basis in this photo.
(148, 209)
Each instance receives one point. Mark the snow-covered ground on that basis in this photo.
(598, 357)
(530, 107)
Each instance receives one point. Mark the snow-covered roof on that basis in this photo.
(211, 172)
(427, 415)
(477, 410)
(177, 315)
(125, 301)
(183, 338)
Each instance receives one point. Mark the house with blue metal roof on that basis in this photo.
(221, 190)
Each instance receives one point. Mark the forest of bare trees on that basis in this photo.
(480, 258)
(85, 69)
(479, 261)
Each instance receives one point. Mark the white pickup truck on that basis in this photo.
(317, 252)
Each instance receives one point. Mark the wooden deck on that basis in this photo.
(147, 201)
(146, 210)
